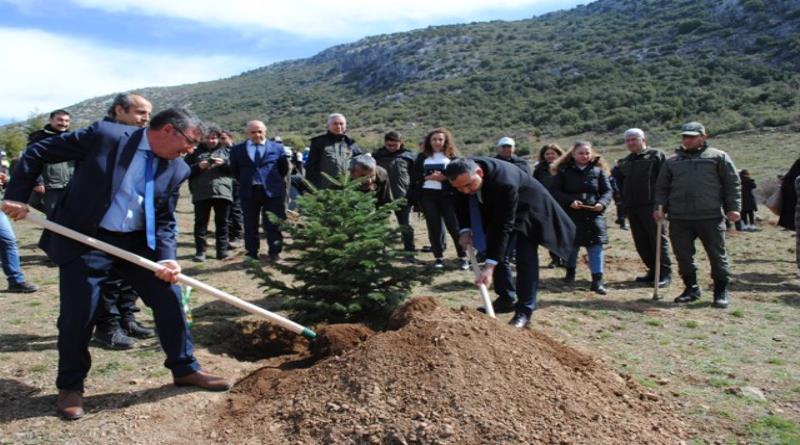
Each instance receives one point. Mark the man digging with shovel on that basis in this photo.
(124, 193)
(498, 199)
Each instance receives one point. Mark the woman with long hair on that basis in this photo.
(582, 187)
(435, 195)
(541, 171)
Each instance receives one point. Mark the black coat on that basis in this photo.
(789, 197)
(418, 174)
(518, 161)
(748, 196)
(542, 174)
(590, 186)
(513, 201)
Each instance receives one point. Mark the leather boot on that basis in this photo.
(70, 404)
(597, 284)
(570, 276)
(721, 296)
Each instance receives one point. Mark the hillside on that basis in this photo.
(598, 68)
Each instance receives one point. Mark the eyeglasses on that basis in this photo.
(190, 141)
(507, 146)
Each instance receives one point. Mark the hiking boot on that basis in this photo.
(690, 294)
(520, 320)
(721, 296)
(22, 288)
(438, 263)
(199, 257)
(570, 276)
(113, 338)
(135, 329)
(597, 284)
(664, 281)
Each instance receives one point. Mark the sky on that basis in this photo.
(58, 53)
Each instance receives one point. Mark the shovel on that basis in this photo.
(487, 302)
(153, 266)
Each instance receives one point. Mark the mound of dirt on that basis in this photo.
(336, 339)
(255, 339)
(447, 377)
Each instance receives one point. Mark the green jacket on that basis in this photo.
(215, 182)
(637, 177)
(701, 184)
(57, 176)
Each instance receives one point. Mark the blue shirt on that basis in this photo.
(126, 213)
(251, 153)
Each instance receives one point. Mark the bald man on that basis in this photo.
(261, 167)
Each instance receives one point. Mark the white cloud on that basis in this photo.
(315, 18)
(44, 71)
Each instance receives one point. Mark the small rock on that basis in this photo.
(447, 431)
(662, 381)
(650, 396)
(751, 392)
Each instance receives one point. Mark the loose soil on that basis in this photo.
(444, 376)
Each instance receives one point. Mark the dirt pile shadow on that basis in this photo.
(444, 376)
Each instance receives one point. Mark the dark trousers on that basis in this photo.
(503, 284)
(80, 283)
(527, 282)
(711, 232)
(257, 208)
(50, 199)
(235, 219)
(437, 206)
(404, 221)
(202, 212)
(117, 302)
(643, 230)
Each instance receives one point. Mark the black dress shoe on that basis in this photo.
(520, 320)
(690, 294)
(646, 278)
(500, 305)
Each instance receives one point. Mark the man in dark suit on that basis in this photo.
(501, 200)
(261, 167)
(124, 192)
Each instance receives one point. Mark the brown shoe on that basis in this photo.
(202, 380)
(70, 404)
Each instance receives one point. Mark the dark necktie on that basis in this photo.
(476, 224)
(149, 202)
(258, 155)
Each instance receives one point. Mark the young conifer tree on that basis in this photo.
(343, 259)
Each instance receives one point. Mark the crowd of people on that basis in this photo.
(118, 180)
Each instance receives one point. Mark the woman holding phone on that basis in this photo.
(435, 196)
(581, 185)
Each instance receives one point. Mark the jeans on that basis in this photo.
(9, 254)
(595, 252)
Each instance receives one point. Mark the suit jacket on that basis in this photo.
(271, 171)
(102, 153)
(513, 200)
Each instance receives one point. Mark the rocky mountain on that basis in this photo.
(734, 64)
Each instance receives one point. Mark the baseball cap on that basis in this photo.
(505, 141)
(693, 129)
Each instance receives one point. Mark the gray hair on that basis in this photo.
(458, 167)
(124, 100)
(180, 118)
(365, 162)
(635, 132)
(333, 116)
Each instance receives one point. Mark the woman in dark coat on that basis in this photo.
(749, 207)
(789, 196)
(582, 187)
(547, 155)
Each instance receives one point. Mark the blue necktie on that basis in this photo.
(149, 202)
(258, 155)
(476, 224)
